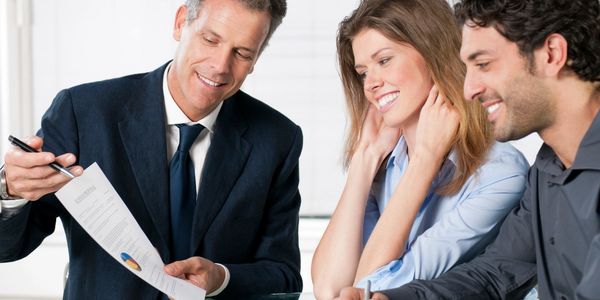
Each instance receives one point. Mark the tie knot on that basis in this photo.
(187, 136)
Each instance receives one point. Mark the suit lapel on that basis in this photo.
(224, 162)
(143, 133)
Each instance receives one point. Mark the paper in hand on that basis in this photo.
(94, 203)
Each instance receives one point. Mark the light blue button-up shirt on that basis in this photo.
(447, 230)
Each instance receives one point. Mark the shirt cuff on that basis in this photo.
(224, 284)
(9, 208)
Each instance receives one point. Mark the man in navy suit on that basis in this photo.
(244, 237)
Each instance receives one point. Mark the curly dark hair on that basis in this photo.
(528, 22)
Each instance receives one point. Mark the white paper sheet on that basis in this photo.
(94, 203)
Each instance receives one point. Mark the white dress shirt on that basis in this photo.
(199, 149)
(175, 116)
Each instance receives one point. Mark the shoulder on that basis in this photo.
(504, 156)
(110, 96)
(260, 117)
(504, 170)
(115, 88)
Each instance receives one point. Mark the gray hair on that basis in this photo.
(276, 8)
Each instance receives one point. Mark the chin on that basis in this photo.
(393, 122)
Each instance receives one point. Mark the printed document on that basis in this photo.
(94, 203)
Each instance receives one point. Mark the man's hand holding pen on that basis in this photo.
(28, 175)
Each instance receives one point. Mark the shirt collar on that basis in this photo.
(400, 153)
(586, 158)
(176, 116)
(587, 154)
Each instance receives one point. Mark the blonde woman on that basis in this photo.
(427, 187)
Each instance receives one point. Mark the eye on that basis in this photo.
(243, 55)
(482, 65)
(209, 40)
(384, 60)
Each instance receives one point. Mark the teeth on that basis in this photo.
(493, 108)
(387, 99)
(208, 81)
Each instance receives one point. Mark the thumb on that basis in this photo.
(180, 267)
(175, 268)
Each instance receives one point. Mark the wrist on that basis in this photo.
(365, 161)
(226, 276)
(4, 195)
(423, 159)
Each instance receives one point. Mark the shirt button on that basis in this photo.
(551, 240)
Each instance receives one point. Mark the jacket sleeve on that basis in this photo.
(277, 260)
(24, 232)
(506, 270)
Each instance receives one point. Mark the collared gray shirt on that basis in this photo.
(553, 236)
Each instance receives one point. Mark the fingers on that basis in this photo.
(199, 271)
(372, 120)
(440, 100)
(432, 97)
(350, 293)
(192, 265)
(24, 159)
(35, 142)
(66, 159)
(436, 98)
(437, 126)
(379, 296)
(28, 175)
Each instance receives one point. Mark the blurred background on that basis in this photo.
(48, 45)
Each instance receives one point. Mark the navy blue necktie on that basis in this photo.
(183, 192)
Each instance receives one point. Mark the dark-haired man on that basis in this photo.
(535, 66)
(162, 138)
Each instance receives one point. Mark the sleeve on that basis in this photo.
(462, 233)
(371, 217)
(277, 257)
(588, 287)
(505, 271)
(25, 230)
(9, 208)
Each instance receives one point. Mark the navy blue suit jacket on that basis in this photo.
(247, 209)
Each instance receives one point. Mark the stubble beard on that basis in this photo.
(528, 109)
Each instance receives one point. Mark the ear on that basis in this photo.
(554, 53)
(180, 22)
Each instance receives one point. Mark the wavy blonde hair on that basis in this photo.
(429, 27)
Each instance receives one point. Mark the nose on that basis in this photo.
(372, 82)
(473, 87)
(221, 61)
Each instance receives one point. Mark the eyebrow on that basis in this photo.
(474, 55)
(373, 56)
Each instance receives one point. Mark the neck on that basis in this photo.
(410, 134)
(177, 94)
(577, 106)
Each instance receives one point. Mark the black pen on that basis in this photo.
(15, 141)
(367, 290)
